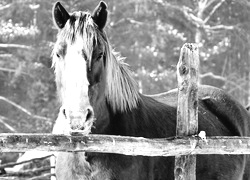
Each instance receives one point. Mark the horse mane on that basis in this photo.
(121, 89)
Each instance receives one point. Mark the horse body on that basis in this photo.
(146, 122)
(106, 101)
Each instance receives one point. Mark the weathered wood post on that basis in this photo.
(187, 111)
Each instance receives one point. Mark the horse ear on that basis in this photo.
(100, 15)
(60, 15)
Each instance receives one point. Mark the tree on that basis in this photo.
(28, 99)
(154, 31)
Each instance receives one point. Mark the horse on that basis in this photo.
(99, 95)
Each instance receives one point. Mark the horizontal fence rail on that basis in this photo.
(125, 145)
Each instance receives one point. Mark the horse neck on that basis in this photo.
(102, 116)
(150, 119)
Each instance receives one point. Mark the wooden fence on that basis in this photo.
(184, 146)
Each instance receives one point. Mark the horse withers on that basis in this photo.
(99, 95)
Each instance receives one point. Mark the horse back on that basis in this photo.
(217, 103)
(218, 109)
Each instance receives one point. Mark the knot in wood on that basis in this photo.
(192, 47)
(183, 70)
(179, 172)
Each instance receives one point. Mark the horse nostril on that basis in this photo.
(64, 113)
(90, 114)
(86, 115)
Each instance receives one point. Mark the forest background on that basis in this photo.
(149, 33)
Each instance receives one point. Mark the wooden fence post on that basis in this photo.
(187, 111)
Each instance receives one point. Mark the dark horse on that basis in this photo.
(99, 95)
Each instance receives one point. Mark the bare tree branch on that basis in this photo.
(5, 7)
(201, 7)
(15, 46)
(226, 80)
(194, 19)
(214, 9)
(237, 86)
(132, 21)
(219, 27)
(183, 9)
(2, 120)
(126, 20)
(243, 2)
(6, 55)
(198, 22)
(168, 5)
(212, 75)
(209, 3)
(23, 109)
(12, 71)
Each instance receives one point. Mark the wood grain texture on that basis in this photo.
(187, 109)
(125, 145)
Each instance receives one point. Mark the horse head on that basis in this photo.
(79, 60)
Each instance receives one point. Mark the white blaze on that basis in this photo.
(75, 77)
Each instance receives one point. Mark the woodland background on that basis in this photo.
(149, 33)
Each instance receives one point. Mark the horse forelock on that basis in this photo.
(79, 25)
(121, 89)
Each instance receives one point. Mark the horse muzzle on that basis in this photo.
(80, 121)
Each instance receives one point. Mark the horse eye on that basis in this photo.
(57, 55)
(100, 55)
(85, 56)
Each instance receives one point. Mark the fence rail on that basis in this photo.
(125, 145)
